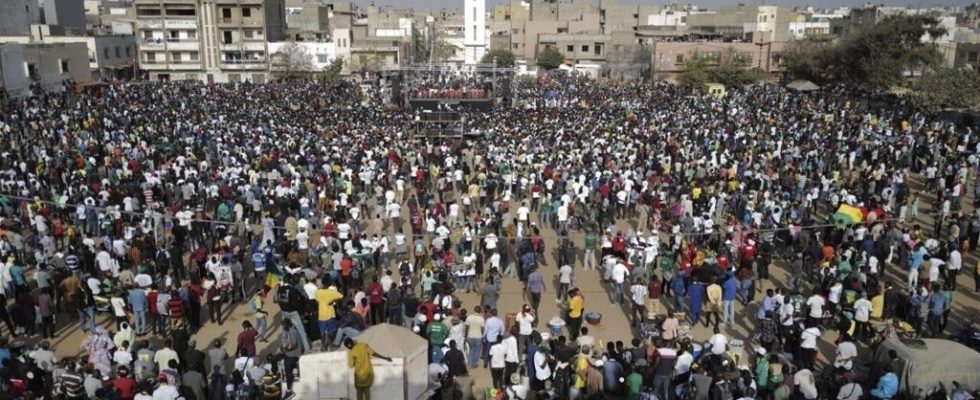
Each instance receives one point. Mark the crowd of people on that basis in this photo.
(154, 202)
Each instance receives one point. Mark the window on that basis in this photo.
(597, 49)
(148, 12)
(321, 58)
(32, 71)
(680, 59)
(129, 51)
(150, 56)
(474, 32)
(176, 57)
(226, 13)
(147, 35)
(183, 12)
(192, 34)
(118, 52)
(246, 12)
(105, 53)
(64, 67)
(235, 78)
(474, 14)
(174, 35)
(972, 57)
(227, 37)
(570, 48)
(585, 48)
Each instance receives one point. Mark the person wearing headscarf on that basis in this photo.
(99, 347)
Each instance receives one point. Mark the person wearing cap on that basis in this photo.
(437, 332)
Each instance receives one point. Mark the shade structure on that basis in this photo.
(802, 86)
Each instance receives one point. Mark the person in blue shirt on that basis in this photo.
(887, 385)
(918, 257)
(937, 305)
(17, 275)
(679, 288)
(138, 303)
(696, 293)
(729, 290)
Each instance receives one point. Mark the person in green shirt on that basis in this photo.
(590, 241)
(634, 381)
(437, 333)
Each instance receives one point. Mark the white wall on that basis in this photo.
(323, 53)
(474, 23)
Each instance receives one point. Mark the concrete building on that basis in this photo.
(109, 56)
(322, 54)
(308, 20)
(212, 40)
(68, 14)
(744, 22)
(967, 45)
(670, 58)
(48, 65)
(17, 16)
(807, 29)
(475, 33)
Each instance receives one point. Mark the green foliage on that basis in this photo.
(332, 74)
(504, 57)
(808, 60)
(695, 75)
(876, 56)
(947, 88)
(550, 58)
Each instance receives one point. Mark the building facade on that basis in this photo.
(474, 30)
(47, 65)
(212, 40)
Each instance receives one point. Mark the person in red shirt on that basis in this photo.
(376, 295)
(246, 340)
(175, 307)
(125, 386)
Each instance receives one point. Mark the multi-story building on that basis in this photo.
(17, 16)
(67, 14)
(47, 65)
(308, 20)
(749, 23)
(671, 58)
(474, 30)
(213, 40)
(109, 56)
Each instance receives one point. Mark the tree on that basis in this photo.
(695, 75)
(332, 74)
(291, 61)
(808, 60)
(879, 55)
(550, 58)
(443, 50)
(946, 88)
(631, 62)
(733, 70)
(503, 57)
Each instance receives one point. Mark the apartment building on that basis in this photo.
(212, 40)
(48, 65)
(746, 22)
(671, 58)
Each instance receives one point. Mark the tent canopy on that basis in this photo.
(392, 340)
(939, 361)
(803, 86)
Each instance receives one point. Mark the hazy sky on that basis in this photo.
(421, 4)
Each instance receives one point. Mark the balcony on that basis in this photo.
(184, 45)
(244, 65)
(151, 45)
(180, 23)
(243, 46)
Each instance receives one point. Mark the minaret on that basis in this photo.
(475, 23)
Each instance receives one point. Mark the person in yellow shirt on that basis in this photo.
(326, 314)
(714, 303)
(576, 307)
(359, 359)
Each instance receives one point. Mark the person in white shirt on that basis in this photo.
(953, 267)
(815, 304)
(862, 314)
(808, 346)
(846, 353)
(525, 320)
(498, 354)
(618, 275)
